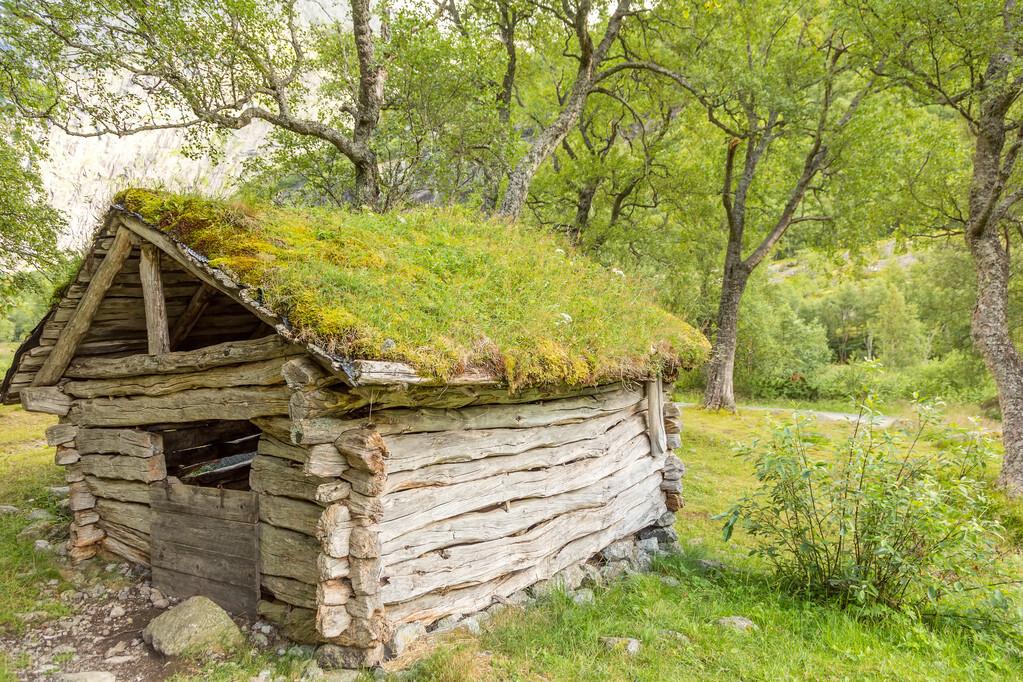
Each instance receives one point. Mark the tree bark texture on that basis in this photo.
(719, 393)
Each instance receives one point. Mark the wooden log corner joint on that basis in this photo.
(347, 504)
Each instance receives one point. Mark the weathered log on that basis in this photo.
(288, 554)
(417, 450)
(540, 457)
(363, 449)
(86, 516)
(384, 373)
(46, 399)
(137, 517)
(467, 599)
(85, 535)
(510, 519)
(60, 434)
(145, 469)
(157, 330)
(291, 591)
(324, 460)
(261, 373)
(674, 501)
(80, 497)
(275, 476)
(181, 362)
(412, 509)
(672, 425)
(364, 543)
(125, 542)
(334, 530)
(73, 473)
(364, 482)
(332, 621)
(120, 490)
(332, 568)
(286, 512)
(65, 455)
(365, 575)
(133, 442)
(74, 331)
(312, 403)
(330, 493)
(302, 372)
(273, 446)
(183, 406)
(365, 506)
(80, 554)
(655, 419)
(333, 592)
(594, 402)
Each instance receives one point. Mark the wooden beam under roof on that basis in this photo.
(76, 328)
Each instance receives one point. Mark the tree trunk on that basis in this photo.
(367, 181)
(990, 330)
(719, 393)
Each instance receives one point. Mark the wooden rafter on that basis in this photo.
(76, 328)
(193, 311)
(156, 305)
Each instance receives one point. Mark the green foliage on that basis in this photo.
(438, 288)
(779, 353)
(881, 519)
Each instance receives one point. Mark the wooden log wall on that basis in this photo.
(450, 505)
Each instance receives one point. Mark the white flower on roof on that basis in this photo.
(618, 272)
(565, 319)
(561, 251)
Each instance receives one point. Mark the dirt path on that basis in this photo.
(881, 421)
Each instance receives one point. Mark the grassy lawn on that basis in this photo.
(560, 640)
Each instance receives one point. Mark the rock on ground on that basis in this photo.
(195, 624)
(404, 635)
(739, 623)
(90, 676)
(627, 645)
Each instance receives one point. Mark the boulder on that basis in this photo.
(737, 623)
(334, 657)
(583, 596)
(196, 624)
(625, 645)
(8, 510)
(404, 635)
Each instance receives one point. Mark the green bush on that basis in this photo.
(879, 520)
(851, 381)
(958, 376)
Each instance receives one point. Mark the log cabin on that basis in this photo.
(349, 422)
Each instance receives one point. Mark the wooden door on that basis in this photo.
(205, 541)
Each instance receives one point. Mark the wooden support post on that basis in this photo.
(193, 311)
(76, 328)
(156, 306)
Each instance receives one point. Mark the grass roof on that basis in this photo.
(439, 288)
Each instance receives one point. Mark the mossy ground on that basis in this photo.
(440, 289)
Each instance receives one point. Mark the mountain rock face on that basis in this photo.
(83, 173)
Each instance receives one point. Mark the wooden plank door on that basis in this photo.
(205, 541)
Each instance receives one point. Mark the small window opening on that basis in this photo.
(211, 454)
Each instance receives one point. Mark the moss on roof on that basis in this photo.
(438, 288)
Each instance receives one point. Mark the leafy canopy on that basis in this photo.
(437, 288)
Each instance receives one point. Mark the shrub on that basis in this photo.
(879, 520)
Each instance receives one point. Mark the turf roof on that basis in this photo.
(438, 288)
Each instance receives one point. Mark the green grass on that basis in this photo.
(438, 288)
